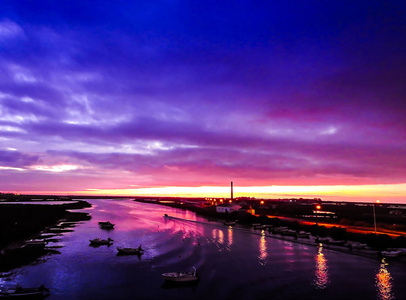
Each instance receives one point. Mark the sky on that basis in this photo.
(284, 98)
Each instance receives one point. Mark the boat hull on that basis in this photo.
(178, 277)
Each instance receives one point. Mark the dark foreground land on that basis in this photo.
(22, 222)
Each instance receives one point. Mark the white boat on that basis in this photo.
(99, 241)
(391, 253)
(337, 242)
(261, 226)
(357, 245)
(106, 225)
(35, 244)
(18, 292)
(128, 250)
(181, 276)
(303, 235)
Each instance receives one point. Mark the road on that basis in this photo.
(354, 229)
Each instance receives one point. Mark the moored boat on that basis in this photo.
(106, 225)
(35, 244)
(18, 292)
(129, 250)
(181, 276)
(99, 241)
(391, 253)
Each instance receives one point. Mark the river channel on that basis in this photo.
(232, 262)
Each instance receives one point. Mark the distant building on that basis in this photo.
(227, 208)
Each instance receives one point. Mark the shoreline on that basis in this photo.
(26, 228)
(372, 251)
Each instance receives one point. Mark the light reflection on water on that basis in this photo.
(321, 279)
(230, 238)
(262, 249)
(383, 282)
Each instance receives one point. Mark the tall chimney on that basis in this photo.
(231, 190)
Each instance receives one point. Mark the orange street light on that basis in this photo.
(373, 209)
(318, 207)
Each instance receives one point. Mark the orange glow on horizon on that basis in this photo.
(395, 193)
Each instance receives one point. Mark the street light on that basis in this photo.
(373, 208)
(318, 207)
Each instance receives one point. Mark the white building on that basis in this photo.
(227, 208)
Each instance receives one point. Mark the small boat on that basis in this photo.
(303, 235)
(337, 242)
(260, 226)
(99, 241)
(18, 292)
(106, 225)
(357, 245)
(181, 276)
(37, 244)
(128, 250)
(230, 223)
(391, 253)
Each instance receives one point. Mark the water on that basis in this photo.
(233, 263)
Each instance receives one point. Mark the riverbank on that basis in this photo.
(26, 227)
(333, 237)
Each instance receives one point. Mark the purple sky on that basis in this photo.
(145, 94)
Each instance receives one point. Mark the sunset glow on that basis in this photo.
(180, 99)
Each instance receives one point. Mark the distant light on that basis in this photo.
(262, 201)
(377, 201)
(318, 207)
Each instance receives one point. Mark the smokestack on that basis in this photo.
(231, 190)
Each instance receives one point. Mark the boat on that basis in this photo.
(261, 226)
(106, 225)
(337, 242)
(34, 245)
(391, 253)
(181, 276)
(230, 223)
(18, 292)
(303, 235)
(128, 250)
(99, 241)
(357, 245)
(323, 240)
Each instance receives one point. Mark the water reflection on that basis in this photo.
(262, 249)
(221, 236)
(383, 282)
(321, 273)
(230, 238)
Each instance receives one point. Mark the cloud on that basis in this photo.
(200, 94)
(9, 31)
(17, 159)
